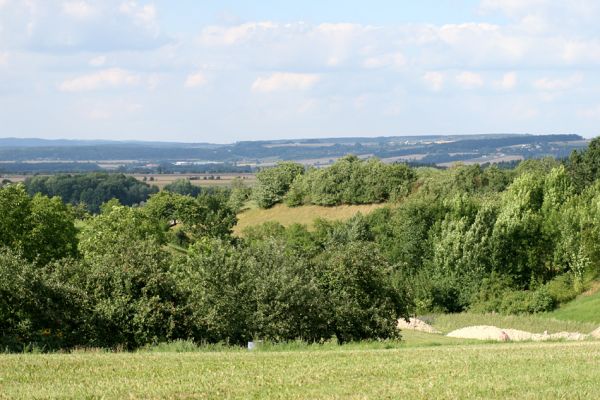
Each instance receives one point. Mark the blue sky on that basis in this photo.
(223, 71)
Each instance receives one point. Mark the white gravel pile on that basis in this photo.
(485, 332)
(415, 324)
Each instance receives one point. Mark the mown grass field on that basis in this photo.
(304, 215)
(492, 371)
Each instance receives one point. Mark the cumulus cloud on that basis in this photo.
(98, 61)
(434, 80)
(285, 81)
(230, 35)
(144, 15)
(507, 82)
(195, 80)
(81, 25)
(558, 84)
(395, 60)
(469, 80)
(79, 9)
(105, 79)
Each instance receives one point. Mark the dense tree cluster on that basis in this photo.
(91, 190)
(348, 181)
(466, 238)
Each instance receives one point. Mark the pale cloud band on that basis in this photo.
(517, 60)
(285, 81)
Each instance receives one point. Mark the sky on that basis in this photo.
(229, 70)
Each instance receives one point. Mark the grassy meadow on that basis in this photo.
(304, 215)
(492, 371)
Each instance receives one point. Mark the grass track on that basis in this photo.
(494, 371)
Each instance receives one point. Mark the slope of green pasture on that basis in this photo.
(585, 308)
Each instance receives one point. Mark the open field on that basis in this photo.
(493, 371)
(161, 180)
(304, 215)
(216, 179)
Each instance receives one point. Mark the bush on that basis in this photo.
(516, 302)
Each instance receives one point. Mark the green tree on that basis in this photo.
(360, 294)
(273, 183)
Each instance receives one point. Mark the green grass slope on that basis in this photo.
(585, 308)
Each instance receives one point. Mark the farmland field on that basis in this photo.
(304, 215)
(216, 179)
(530, 370)
(161, 180)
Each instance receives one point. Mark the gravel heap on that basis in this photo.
(484, 332)
(415, 324)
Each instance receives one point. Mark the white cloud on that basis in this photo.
(507, 82)
(218, 35)
(469, 80)
(105, 79)
(144, 15)
(396, 60)
(285, 81)
(98, 61)
(80, 26)
(512, 7)
(3, 59)
(195, 80)
(434, 80)
(79, 9)
(558, 84)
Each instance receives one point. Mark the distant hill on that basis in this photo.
(428, 149)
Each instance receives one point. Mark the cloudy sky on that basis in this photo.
(228, 70)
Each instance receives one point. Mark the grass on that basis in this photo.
(585, 308)
(530, 323)
(493, 371)
(304, 215)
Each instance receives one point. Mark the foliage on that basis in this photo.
(41, 228)
(184, 187)
(352, 181)
(273, 183)
(92, 189)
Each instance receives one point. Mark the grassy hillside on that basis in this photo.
(585, 308)
(301, 215)
(493, 371)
